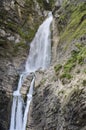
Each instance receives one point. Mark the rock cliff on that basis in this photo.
(59, 99)
(60, 92)
(19, 20)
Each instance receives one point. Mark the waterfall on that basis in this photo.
(16, 116)
(39, 57)
(47, 1)
(12, 124)
(29, 98)
(40, 48)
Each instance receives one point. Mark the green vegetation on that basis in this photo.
(29, 2)
(76, 26)
(85, 71)
(52, 2)
(12, 26)
(77, 57)
(67, 68)
(84, 82)
(78, 71)
(30, 21)
(21, 44)
(18, 46)
(81, 54)
(57, 68)
(44, 5)
(27, 35)
(66, 75)
(43, 81)
(24, 22)
(69, 65)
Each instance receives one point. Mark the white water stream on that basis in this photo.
(47, 1)
(39, 57)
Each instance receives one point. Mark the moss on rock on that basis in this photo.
(45, 5)
(57, 68)
(74, 22)
(77, 58)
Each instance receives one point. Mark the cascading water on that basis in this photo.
(47, 1)
(39, 57)
(40, 49)
(29, 98)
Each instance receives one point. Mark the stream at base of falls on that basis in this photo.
(39, 57)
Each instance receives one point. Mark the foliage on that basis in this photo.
(85, 71)
(77, 57)
(65, 75)
(81, 55)
(76, 25)
(84, 82)
(45, 5)
(57, 68)
(17, 47)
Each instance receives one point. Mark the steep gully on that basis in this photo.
(39, 57)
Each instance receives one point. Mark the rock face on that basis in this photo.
(59, 99)
(9, 74)
(19, 21)
(58, 106)
(60, 93)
